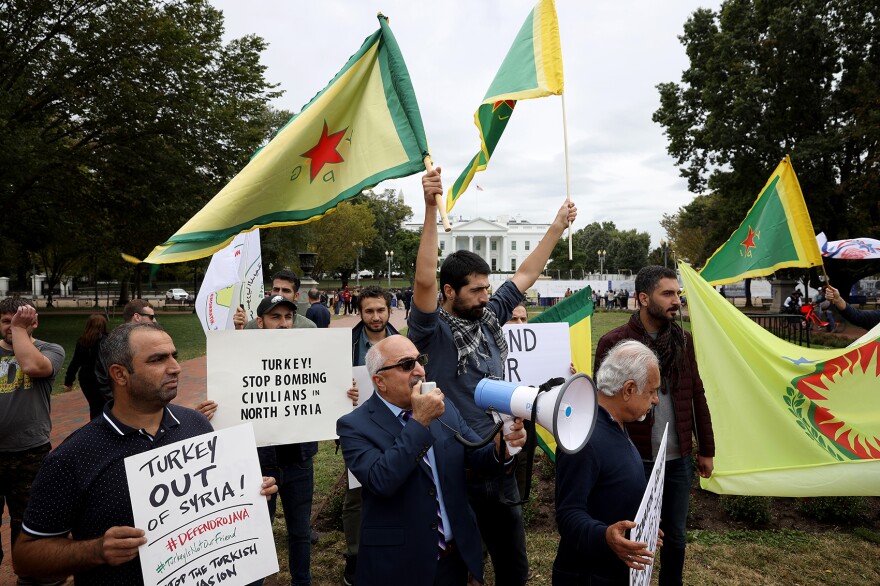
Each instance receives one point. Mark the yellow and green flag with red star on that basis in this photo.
(531, 69)
(777, 233)
(788, 421)
(577, 312)
(363, 128)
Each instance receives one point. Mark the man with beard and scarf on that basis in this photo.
(463, 338)
(682, 405)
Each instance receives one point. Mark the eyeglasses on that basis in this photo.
(407, 364)
(152, 316)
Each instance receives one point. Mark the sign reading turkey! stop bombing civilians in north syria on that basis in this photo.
(290, 384)
(198, 501)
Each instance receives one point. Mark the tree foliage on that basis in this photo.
(120, 118)
(770, 78)
(625, 250)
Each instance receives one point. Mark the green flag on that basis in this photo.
(776, 233)
(577, 312)
(531, 69)
(788, 421)
(363, 128)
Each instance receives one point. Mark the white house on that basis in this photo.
(503, 241)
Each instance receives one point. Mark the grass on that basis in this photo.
(735, 558)
(65, 329)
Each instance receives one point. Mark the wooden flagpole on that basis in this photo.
(567, 175)
(441, 203)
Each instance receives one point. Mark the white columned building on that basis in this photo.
(503, 241)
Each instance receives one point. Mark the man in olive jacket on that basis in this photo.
(682, 405)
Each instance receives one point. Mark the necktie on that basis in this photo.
(441, 536)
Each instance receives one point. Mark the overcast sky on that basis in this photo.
(614, 54)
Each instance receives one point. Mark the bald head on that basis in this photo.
(394, 369)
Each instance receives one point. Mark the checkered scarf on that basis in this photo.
(468, 335)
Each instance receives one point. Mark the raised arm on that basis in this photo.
(32, 362)
(425, 290)
(533, 266)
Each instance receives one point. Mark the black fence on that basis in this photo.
(789, 327)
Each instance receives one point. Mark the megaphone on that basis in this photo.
(568, 411)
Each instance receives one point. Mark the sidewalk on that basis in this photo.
(70, 412)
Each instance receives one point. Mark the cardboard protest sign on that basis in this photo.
(290, 383)
(199, 502)
(648, 518)
(537, 352)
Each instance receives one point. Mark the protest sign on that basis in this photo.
(199, 502)
(291, 384)
(537, 352)
(365, 391)
(648, 518)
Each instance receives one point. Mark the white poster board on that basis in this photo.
(199, 502)
(365, 391)
(648, 518)
(291, 384)
(234, 278)
(537, 352)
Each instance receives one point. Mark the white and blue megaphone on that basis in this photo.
(568, 411)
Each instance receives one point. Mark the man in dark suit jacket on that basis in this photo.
(401, 446)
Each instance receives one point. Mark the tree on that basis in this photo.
(135, 110)
(389, 213)
(406, 249)
(337, 236)
(770, 78)
(624, 250)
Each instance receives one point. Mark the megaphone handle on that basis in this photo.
(506, 427)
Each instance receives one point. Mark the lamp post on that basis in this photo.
(602, 255)
(389, 256)
(665, 246)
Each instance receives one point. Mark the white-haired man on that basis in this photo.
(598, 490)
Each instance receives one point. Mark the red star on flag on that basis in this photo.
(510, 103)
(324, 152)
(749, 242)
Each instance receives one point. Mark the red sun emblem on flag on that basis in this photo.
(842, 394)
(325, 151)
(749, 242)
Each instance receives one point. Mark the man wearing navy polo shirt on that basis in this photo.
(463, 337)
(82, 491)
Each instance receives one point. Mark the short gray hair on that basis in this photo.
(374, 360)
(627, 360)
(116, 348)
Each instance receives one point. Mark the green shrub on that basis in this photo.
(752, 509)
(834, 508)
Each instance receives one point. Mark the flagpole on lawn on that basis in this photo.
(441, 205)
(567, 177)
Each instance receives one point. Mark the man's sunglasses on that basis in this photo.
(407, 364)
(151, 316)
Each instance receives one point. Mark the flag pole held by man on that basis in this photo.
(531, 69)
(363, 128)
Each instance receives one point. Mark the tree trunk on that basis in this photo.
(749, 293)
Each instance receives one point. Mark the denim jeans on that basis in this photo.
(501, 526)
(676, 498)
(296, 485)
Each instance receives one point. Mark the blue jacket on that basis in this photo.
(863, 318)
(398, 542)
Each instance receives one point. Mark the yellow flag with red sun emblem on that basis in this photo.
(788, 421)
(776, 233)
(363, 128)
